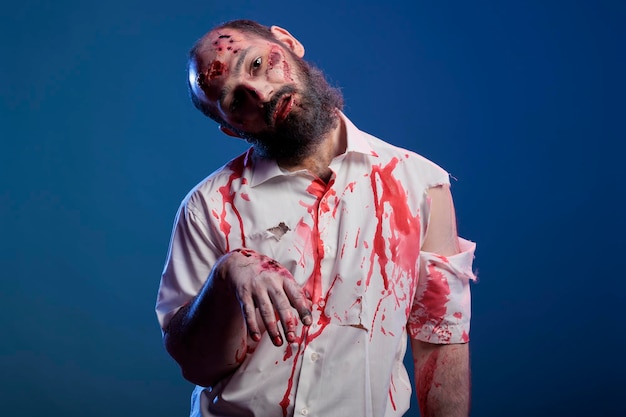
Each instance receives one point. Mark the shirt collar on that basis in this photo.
(356, 141)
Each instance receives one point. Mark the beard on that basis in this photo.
(297, 136)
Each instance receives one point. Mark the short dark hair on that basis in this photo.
(243, 25)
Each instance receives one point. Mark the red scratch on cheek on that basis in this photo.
(273, 58)
(287, 71)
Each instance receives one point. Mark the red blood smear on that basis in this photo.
(425, 381)
(287, 71)
(324, 207)
(288, 352)
(405, 227)
(228, 197)
(375, 314)
(433, 301)
(443, 258)
(393, 385)
(240, 356)
(284, 403)
(458, 315)
(216, 69)
(274, 57)
(436, 294)
(313, 284)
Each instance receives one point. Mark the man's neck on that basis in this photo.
(333, 144)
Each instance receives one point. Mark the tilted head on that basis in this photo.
(252, 80)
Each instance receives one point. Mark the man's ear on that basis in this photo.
(287, 38)
(228, 131)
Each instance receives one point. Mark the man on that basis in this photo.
(296, 271)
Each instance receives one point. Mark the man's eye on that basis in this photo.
(257, 63)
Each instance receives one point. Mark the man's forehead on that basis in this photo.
(215, 51)
(217, 43)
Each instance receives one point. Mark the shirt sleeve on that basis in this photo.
(442, 307)
(191, 256)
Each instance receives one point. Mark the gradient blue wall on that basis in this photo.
(522, 101)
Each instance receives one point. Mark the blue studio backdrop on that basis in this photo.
(522, 101)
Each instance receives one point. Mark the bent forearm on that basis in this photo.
(442, 379)
(208, 337)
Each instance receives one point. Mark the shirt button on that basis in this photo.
(304, 411)
(322, 303)
(315, 356)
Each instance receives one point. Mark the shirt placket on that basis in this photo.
(313, 355)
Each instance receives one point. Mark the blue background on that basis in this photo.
(522, 101)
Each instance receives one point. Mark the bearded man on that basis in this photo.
(298, 270)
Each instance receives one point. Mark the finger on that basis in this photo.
(296, 297)
(249, 313)
(268, 315)
(285, 313)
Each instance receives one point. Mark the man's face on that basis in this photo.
(239, 76)
(264, 92)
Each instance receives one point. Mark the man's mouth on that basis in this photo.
(283, 109)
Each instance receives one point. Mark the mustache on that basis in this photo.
(270, 107)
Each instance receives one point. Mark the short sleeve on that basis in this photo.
(441, 308)
(190, 258)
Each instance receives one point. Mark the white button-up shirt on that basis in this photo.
(354, 245)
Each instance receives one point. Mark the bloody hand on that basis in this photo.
(262, 283)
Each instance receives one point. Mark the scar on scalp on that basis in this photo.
(216, 69)
(279, 231)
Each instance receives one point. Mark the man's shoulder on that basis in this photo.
(406, 163)
(388, 151)
(209, 188)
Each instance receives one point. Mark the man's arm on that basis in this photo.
(442, 372)
(442, 379)
(209, 336)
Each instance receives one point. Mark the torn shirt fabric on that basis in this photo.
(354, 244)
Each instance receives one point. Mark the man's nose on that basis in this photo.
(257, 92)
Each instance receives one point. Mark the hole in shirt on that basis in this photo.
(279, 231)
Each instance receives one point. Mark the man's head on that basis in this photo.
(252, 80)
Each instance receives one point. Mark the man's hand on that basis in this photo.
(260, 282)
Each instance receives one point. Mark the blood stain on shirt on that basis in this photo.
(228, 197)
